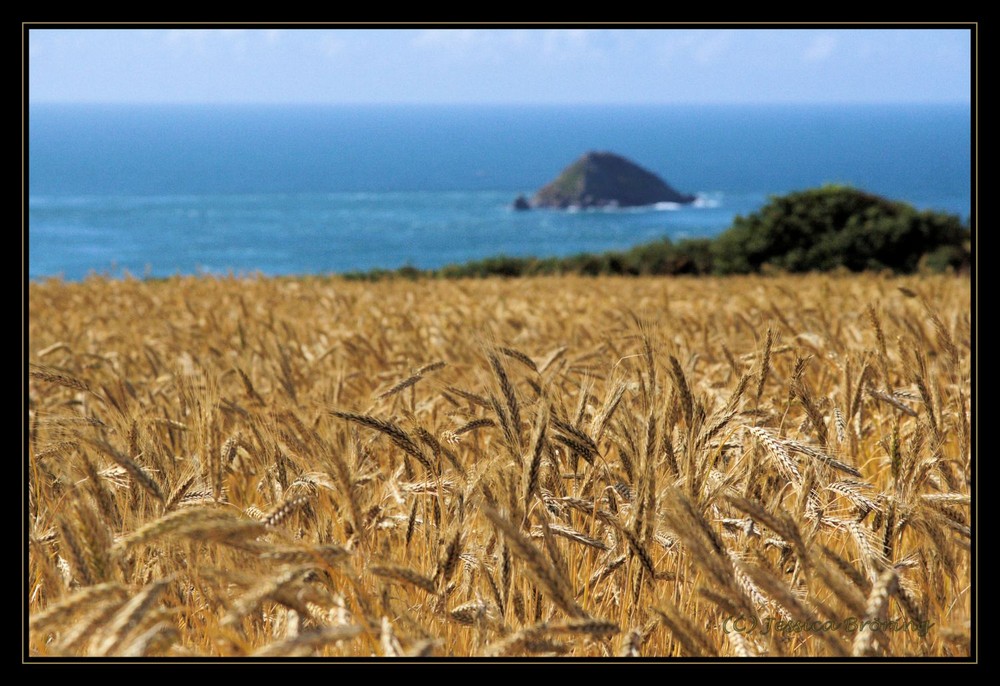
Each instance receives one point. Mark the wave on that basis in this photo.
(702, 201)
(707, 200)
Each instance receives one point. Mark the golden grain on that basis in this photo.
(259, 472)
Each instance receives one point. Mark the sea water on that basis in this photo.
(182, 189)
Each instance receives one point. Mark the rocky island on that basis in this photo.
(603, 179)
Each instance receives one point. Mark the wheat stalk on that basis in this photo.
(540, 569)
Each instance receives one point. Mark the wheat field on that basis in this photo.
(554, 467)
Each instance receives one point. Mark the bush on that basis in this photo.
(832, 228)
(946, 258)
(502, 265)
(835, 226)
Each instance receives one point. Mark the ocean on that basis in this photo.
(179, 189)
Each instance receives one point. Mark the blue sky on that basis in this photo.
(515, 66)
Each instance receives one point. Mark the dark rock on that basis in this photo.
(604, 179)
(521, 203)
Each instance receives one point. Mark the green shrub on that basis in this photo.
(946, 258)
(834, 226)
(502, 265)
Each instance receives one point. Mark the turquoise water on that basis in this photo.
(308, 189)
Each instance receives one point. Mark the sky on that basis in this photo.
(500, 66)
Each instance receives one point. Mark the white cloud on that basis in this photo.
(449, 39)
(821, 47)
(180, 36)
(200, 41)
(703, 46)
(501, 46)
(519, 37)
(557, 41)
(714, 46)
(201, 35)
(577, 45)
(331, 45)
(492, 46)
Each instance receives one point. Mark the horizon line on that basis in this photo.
(500, 103)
